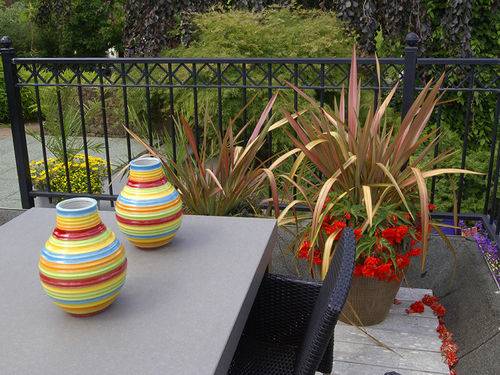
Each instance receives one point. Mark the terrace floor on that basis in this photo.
(412, 337)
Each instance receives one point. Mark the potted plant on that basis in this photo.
(365, 170)
(221, 175)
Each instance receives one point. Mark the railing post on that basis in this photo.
(409, 73)
(16, 122)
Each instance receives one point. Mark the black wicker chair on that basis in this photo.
(290, 328)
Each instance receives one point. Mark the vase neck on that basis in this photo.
(77, 214)
(146, 170)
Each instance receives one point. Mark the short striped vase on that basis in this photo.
(83, 265)
(149, 209)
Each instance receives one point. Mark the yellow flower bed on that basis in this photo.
(77, 174)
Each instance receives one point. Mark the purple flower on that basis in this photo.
(488, 248)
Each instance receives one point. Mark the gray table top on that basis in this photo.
(181, 311)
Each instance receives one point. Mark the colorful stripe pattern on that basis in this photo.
(82, 265)
(149, 209)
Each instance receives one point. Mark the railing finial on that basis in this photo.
(5, 42)
(412, 39)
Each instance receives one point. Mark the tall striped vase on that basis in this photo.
(149, 209)
(83, 265)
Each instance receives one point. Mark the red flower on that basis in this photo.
(438, 309)
(347, 215)
(451, 358)
(372, 261)
(358, 232)
(431, 207)
(429, 300)
(369, 266)
(389, 234)
(449, 348)
(402, 261)
(415, 252)
(336, 226)
(304, 250)
(441, 329)
(402, 231)
(416, 307)
(317, 257)
(358, 270)
(395, 234)
(384, 271)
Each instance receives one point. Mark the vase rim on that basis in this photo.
(76, 205)
(146, 162)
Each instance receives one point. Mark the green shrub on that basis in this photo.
(27, 100)
(474, 186)
(78, 27)
(15, 22)
(77, 174)
(274, 32)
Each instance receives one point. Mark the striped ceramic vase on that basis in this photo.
(83, 265)
(149, 209)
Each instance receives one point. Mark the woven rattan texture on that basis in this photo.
(290, 328)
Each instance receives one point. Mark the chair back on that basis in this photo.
(328, 306)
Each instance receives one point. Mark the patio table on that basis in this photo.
(181, 311)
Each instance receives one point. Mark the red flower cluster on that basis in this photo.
(384, 271)
(433, 303)
(337, 225)
(304, 251)
(429, 300)
(378, 266)
(416, 307)
(448, 347)
(395, 235)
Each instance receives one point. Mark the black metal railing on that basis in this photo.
(107, 79)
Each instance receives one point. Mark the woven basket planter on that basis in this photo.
(369, 301)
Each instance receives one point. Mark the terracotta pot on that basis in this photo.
(369, 301)
(82, 265)
(149, 209)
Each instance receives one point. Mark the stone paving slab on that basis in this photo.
(342, 368)
(412, 341)
(413, 338)
(376, 356)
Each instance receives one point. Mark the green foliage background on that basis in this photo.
(47, 28)
(78, 28)
(274, 32)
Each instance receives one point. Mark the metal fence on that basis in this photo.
(473, 78)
